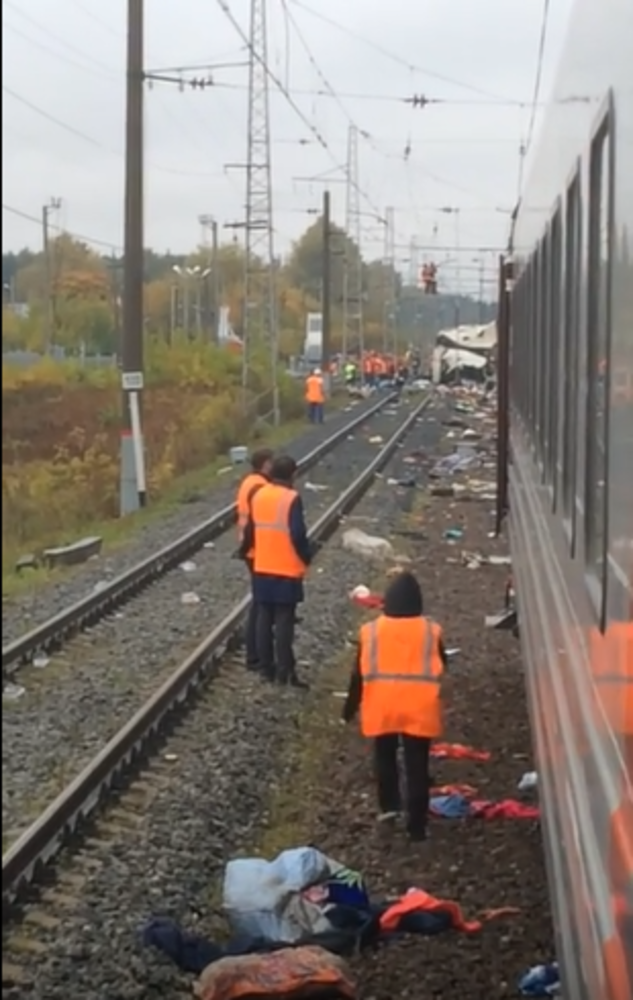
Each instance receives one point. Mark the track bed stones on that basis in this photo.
(162, 848)
(84, 694)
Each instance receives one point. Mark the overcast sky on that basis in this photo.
(478, 57)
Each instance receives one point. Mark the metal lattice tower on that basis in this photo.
(260, 313)
(353, 282)
(389, 263)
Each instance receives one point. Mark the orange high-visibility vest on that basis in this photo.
(245, 493)
(274, 552)
(314, 389)
(402, 671)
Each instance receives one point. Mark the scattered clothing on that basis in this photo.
(457, 751)
(541, 981)
(457, 806)
(506, 809)
(417, 901)
(290, 973)
(275, 900)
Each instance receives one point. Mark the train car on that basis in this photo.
(568, 311)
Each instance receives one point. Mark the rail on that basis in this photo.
(41, 842)
(94, 606)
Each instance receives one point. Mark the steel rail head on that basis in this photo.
(95, 605)
(43, 839)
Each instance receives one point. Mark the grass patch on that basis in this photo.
(118, 532)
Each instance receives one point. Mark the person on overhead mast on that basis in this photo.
(399, 686)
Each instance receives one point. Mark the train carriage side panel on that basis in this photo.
(571, 491)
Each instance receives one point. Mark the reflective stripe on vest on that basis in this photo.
(274, 552)
(426, 675)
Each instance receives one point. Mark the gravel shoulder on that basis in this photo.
(90, 689)
(163, 848)
(26, 611)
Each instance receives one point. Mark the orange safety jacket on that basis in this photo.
(247, 489)
(314, 389)
(401, 670)
(274, 552)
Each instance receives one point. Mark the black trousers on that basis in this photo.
(416, 767)
(251, 630)
(275, 632)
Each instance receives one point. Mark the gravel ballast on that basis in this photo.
(198, 805)
(26, 611)
(96, 683)
(255, 768)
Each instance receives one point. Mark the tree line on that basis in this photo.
(81, 290)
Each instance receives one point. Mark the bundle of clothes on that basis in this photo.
(293, 921)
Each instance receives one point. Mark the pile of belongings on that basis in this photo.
(292, 922)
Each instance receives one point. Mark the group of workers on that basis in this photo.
(399, 680)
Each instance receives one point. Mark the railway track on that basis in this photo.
(52, 634)
(28, 858)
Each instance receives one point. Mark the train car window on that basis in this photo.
(537, 338)
(554, 344)
(598, 351)
(571, 353)
(543, 358)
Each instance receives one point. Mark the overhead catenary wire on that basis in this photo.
(20, 214)
(377, 47)
(78, 133)
(293, 104)
(540, 59)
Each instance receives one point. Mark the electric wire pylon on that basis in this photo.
(390, 287)
(260, 308)
(353, 283)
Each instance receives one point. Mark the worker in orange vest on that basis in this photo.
(399, 684)
(315, 396)
(276, 532)
(261, 462)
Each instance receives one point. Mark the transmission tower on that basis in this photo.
(353, 280)
(260, 313)
(389, 264)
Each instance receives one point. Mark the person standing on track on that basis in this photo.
(276, 534)
(315, 396)
(261, 462)
(398, 684)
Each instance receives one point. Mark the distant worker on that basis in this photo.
(261, 462)
(398, 684)
(349, 372)
(315, 396)
(276, 532)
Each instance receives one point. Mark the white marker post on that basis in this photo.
(133, 384)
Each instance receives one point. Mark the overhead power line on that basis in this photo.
(289, 98)
(391, 55)
(60, 229)
(525, 146)
(36, 109)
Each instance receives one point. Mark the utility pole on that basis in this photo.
(327, 285)
(53, 206)
(391, 271)
(260, 312)
(209, 223)
(481, 291)
(353, 285)
(133, 486)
